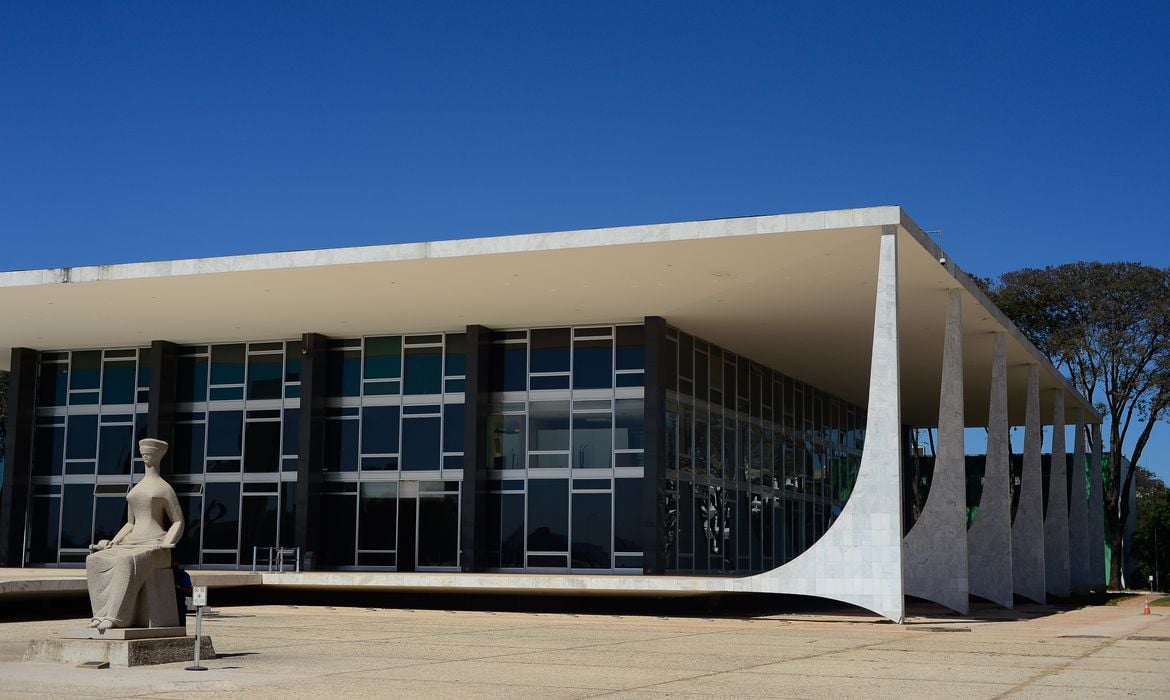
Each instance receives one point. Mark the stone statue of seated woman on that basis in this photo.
(129, 576)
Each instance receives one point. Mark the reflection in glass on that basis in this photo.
(420, 443)
(456, 361)
(548, 425)
(221, 516)
(77, 516)
(44, 519)
(424, 370)
(262, 446)
(591, 531)
(258, 526)
(187, 454)
(340, 511)
(344, 368)
(109, 514)
(48, 450)
(225, 433)
(593, 364)
(115, 448)
(227, 364)
(191, 381)
(592, 440)
(438, 530)
(85, 370)
(548, 515)
(341, 444)
(629, 428)
(118, 382)
(265, 376)
(509, 367)
(380, 429)
(453, 417)
(52, 386)
(378, 527)
(506, 441)
(383, 357)
(82, 440)
(550, 349)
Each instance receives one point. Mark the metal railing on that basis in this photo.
(276, 558)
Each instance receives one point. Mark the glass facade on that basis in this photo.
(756, 465)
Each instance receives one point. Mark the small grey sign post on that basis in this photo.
(199, 601)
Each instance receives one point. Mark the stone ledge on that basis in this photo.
(122, 653)
(124, 633)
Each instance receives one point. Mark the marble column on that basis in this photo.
(934, 552)
(1056, 571)
(1028, 524)
(1078, 526)
(989, 539)
(859, 559)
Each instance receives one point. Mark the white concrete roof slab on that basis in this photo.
(794, 291)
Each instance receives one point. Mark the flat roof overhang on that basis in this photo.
(794, 292)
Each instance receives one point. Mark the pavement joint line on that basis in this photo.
(1065, 666)
(748, 668)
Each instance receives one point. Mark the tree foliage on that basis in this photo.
(1107, 326)
(1151, 537)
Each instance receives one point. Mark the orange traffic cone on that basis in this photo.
(1146, 608)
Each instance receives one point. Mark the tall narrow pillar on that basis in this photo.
(989, 539)
(654, 554)
(473, 524)
(18, 452)
(1098, 576)
(1028, 525)
(935, 550)
(160, 416)
(311, 457)
(859, 558)
(1078, 521)
(1056, 569)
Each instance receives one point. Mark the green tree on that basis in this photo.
(1152, 534)
(1106, 325)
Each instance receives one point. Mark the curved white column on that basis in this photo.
(1056, 570)
(989, 539)
(934, 552)
(1078, 525)
(1028, 524)
(859, 559)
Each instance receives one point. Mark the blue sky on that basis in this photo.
(1029, 133)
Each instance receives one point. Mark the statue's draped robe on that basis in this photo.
(116, 575)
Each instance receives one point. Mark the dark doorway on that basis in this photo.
(406, 533)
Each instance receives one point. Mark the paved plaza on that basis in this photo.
(283, 651)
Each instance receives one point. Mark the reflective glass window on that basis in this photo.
(383, 357)
(378, 528)
(630, 353)
(48, 450)
(191, 381)
(116, 446)
(438, 530)
(627, 515)
(380, 430)
(592, 440)
(291, 427)
(420, 443)
(456, 359)
(512, 530)
(550, 349)
(340, 511)
(341, 445)
(258, 520)
(344, 368)
(52, 386)
(187, 454)
(227, 364)
(591, 531)
(119, 383)
(221, 515)
(109, 514)
(85, 370)
(424, 370)
(453, 427)
(506, 441)
(82, 439)
(548, 515)
(292, 361)
(225, 433)
(265, 376)
(44, 523)
(262, 446)
(629, 430)
(77, 516)
(593, 364)
(509, 367)
(548, 425)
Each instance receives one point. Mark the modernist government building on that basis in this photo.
(706, 406)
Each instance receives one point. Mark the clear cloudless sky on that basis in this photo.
(1030, 133)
